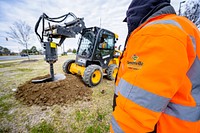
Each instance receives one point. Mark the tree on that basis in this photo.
(25, 51)
(34, 50)
(74, 51)
(4, 51)
(69, 50)
(1, 50)
(192, 11)
(20, 32)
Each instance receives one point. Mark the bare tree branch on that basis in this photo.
(192, 11)
(20, 32)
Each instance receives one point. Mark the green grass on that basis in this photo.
(24, 69)
(5, 97)
(99, 125)
(7, 65)
(5, 107)
(97, 128)
(79, 115)
(5, 130)
(88, 121)
(43, 127)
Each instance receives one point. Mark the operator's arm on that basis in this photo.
(150, 74)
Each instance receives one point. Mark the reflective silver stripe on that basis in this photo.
(115, 126)
(193, 42)
(117, 88)
(172, 22)
(194, 76)
(183, 112)
(142, 97)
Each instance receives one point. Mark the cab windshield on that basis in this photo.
(86, 45)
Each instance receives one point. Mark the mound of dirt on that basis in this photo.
(59, 92)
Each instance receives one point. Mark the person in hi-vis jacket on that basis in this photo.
(157, 88)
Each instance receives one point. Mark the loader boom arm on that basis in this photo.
(54, 29)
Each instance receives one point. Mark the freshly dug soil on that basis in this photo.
(59, 92)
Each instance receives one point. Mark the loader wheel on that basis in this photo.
(112, 71)
(67, 65)
(93, 75)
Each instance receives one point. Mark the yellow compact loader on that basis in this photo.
(96, 54)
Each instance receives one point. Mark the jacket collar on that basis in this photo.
(160, 10)
(164, 10)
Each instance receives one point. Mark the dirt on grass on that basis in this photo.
(29, 61)
(60, 92)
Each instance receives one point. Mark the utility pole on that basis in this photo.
(179, 11)
(100, 22)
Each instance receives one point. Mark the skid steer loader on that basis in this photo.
(96, 54)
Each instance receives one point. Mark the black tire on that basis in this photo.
(112, 71)
(93, 75)
(67, 65)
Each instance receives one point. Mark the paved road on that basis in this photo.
(7, 59)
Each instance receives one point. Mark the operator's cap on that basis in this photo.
(145, 5)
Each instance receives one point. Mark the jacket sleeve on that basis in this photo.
(153, 70)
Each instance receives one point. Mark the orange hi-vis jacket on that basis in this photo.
(158, 82)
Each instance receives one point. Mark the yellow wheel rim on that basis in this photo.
(96, 77)
(114, 72)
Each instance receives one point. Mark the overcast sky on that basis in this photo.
(111, 13)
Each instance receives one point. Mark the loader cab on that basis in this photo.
(86, 44)
(96, 46)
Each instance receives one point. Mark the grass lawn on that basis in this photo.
(79, 117)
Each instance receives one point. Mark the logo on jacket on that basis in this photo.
(135, 63)
(135, 58)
